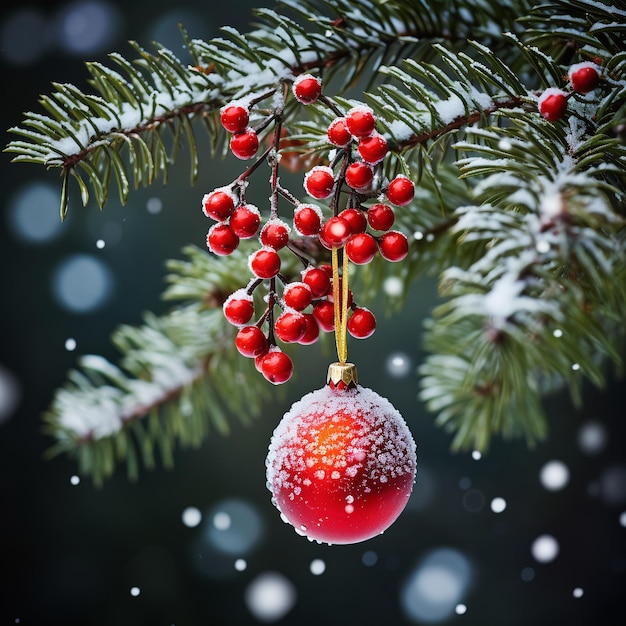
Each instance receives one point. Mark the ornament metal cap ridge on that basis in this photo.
(342, 373)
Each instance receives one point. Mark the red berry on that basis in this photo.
(312, 331)
(265, 262)
(245, 221)
(218, 204)
(359, 175)
(319, 182)
(290, 326)
(276, 366)
(221, 240)
(297, 295)
(318, 281)
(275, 234)
(307, 219)
(307, 88)
(584, 77)
(360, 121)
(552, 104)
(239, 308)
(244, 144)
(361, 248)
(356, 218)
(324, 314)
(393, 246)
(338, 133)
(234, 117)
(380, 216)
(341, 465)
(335, 232)
(400, 191)
(373, 149)
(251, 342)
(362, 323)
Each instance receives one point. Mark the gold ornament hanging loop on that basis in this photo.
(340, 299)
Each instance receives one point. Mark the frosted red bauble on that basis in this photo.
(341, 465)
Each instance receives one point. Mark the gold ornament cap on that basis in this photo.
(342, 375)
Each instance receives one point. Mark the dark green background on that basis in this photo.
(70, 554)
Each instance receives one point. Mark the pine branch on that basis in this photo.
(122, 133)
(177, 379)
(522, 218)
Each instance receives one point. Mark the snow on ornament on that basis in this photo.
(342, 462)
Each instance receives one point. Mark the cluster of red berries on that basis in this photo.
(307, 305)
(582, 77)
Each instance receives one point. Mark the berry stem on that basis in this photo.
(330, 104)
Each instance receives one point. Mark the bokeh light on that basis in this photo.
(317, 567)
(436, 586)
(233, 527)
(498, 505)
(10, 393)
(23, 36)
(82, 283)
(369, 558)
(33, 213)
(545, 548)
(398, 365)
(87, 26)
(592, 437)
(191, 516)
(554, 475)
(613, 485)
(270, 596)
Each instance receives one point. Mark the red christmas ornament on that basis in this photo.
(341, 462)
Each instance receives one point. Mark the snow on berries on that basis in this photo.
(307, 88)
(584, 77)
(351, 215)
(552, 104)
(341, 464)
